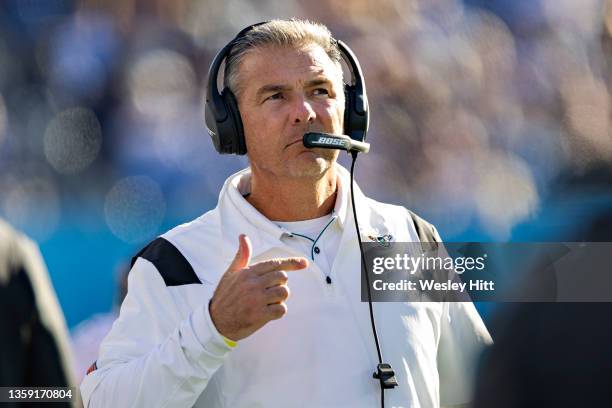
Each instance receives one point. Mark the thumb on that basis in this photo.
(243, 256)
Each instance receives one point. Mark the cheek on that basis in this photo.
(253, 127)
(335, 113)
(265, 119)
(331, 111)
(340, 112)
(251, 135)
(258, 134)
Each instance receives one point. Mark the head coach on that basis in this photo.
(280, 322)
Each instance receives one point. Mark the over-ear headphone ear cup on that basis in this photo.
(355, 114)
(234, 130)
(212, 127)
(347, 109)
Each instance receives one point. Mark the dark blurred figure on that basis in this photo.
(556, 354)
(33, 337)
(549, 355)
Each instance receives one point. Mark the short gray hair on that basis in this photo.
(293, 33)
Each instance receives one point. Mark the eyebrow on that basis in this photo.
(273, 88)
(270, 89)
(317, 81)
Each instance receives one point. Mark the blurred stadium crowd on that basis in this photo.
(489, 118)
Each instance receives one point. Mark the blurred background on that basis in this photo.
(491, 119)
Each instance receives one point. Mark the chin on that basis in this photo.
(313, 167)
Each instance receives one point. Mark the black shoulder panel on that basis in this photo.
(423, 228)
(171, 264)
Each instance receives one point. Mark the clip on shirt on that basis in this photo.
(386, 375)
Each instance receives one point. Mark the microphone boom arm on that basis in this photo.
(329, 141)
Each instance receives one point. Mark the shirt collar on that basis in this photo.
(343, 182)
(238, 186)
(233, 205)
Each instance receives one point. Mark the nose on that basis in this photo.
(302, 111)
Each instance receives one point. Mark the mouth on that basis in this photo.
(294, 142)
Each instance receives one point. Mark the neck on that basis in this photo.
(293, 199)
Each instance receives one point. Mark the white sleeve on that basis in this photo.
(154, 355)
(462, 340)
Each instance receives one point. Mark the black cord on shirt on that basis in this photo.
(363, 262)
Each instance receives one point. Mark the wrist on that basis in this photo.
(228, 341)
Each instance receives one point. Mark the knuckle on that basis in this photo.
(282, 309)
(280, 291)
(249, 273)
(279, 310)
(281, 276)
(250, 282)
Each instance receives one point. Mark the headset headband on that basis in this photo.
(223, 116)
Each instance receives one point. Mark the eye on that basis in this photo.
(320, 91)
(275, 96)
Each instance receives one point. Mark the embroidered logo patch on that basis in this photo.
(384, 240)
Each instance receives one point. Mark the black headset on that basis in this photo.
(223, 117)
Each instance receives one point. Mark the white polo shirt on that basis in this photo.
(165, 351)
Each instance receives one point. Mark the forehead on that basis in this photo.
(274, 64)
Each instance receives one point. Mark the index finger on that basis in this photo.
(277, 264)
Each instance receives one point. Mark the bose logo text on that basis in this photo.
(331, 141)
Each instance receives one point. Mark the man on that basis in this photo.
(204, 326)
(34, 348)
